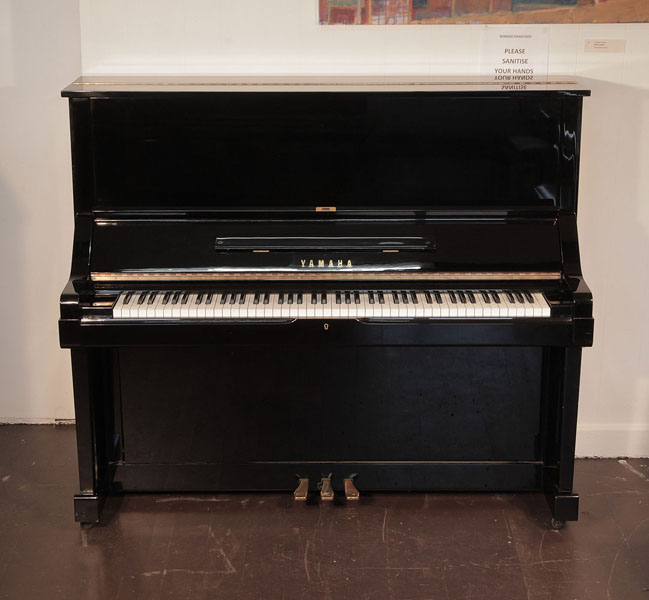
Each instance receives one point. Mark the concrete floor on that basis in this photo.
(265, 546)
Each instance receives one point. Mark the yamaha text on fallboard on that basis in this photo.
(374, 285)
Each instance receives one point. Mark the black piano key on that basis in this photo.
(209, 298)
(496, 297)
(266, 297)
(129, 295)
(166, 298)
(314, 298)
(357, 298)
(323, 298)
(140, 300)
(290, 298)
(233, 299)
(404, 297)
(299, 298)
(280, 299)
(242, 300)
(428, 297)
(199, 298)
(381, 298)
(510, 297)
(224, 298)
(152, 297)
(452, 297)
(185, 298)
(348, 299)
(438, 297)
(471, 296)
(462, 297)
(176, 298)
(338, 298)
(528, 297)
(413, 297)
(395, 297)
(256, 298)
(370, 296)
(519, 297)
(486, 298)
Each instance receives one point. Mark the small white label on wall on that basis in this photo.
(514, 56)
(604, 46)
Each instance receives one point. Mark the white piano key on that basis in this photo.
(190, 310)
(177, 306)
(478, 311)
(200, 309)
(239, 309)
(118, 306)
(335, 308)
(352, 307)
(275, 307)
(545, 306)
(510, 307)
(208, 303)
(381, 308)
(151, 305)
(327, 309)
(420, 307)
(142, 308)
(452, 305)
(310, 307)
(368, 309)
(426, 307)
(465, 308)
(319, 307)
(410, 307)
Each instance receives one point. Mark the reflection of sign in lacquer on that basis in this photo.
(394, 12)
(514, 57)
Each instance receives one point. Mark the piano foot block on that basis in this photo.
(564, 507)
(87, 508)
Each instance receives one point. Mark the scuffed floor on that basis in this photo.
(264, 546)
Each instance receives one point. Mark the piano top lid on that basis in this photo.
(116, 85)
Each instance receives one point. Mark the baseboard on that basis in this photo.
(28, 421)
(612, 440)
(593, 439)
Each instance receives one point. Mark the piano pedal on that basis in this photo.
(351, 491)
(326, 491)
(302, 490)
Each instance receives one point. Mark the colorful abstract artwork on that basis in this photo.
(396, 12)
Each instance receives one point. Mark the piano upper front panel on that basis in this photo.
(372, 150)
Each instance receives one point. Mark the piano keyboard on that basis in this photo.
(404, 304)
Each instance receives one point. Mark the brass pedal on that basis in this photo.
(351, 492)
(326, 491)
(302, 491)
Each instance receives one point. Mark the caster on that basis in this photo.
(558, 524)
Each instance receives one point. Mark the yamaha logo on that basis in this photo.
(324, 263)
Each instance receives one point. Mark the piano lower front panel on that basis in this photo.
(403, 418)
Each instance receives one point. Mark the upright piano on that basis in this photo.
(325, 286)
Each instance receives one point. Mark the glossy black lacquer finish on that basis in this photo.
(219, 182)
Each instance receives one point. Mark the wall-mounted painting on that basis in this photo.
(395, 12)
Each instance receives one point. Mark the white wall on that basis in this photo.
(39, 54)
(261, 37)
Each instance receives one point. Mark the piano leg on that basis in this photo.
(564, 368)
(85, 368)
